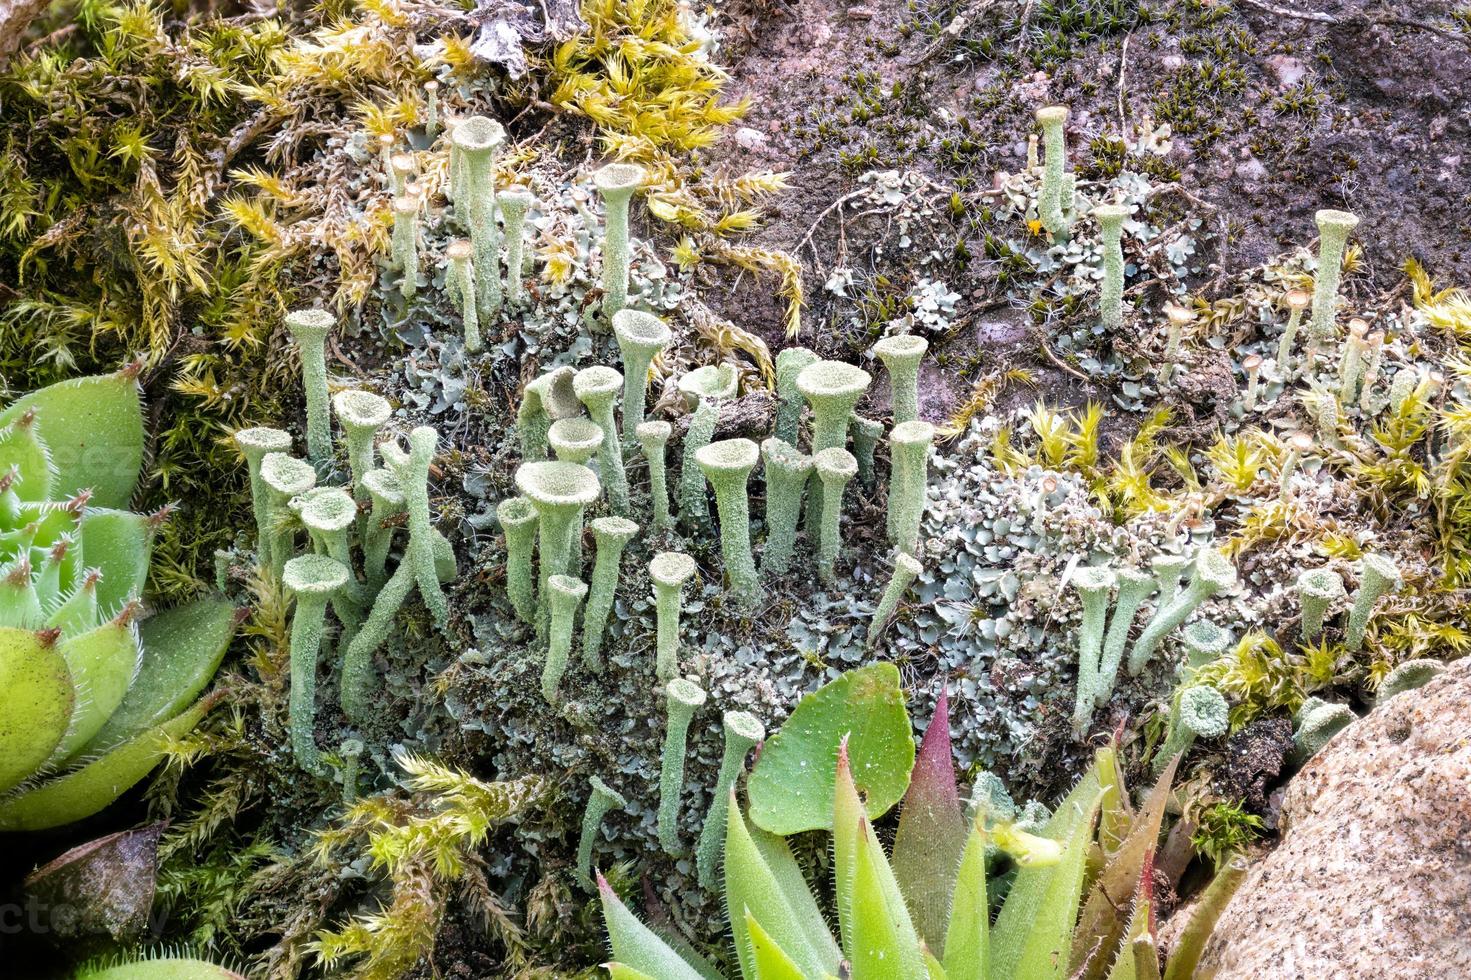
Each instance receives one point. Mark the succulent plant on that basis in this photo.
(309, 329)
(1333, 231)
(681, 699)
(514, 202)
(616, 182)
(612, 535)
(909, 449)
(1378, 577)
(789, 364)
(743, 731)
(1317, 590)
(653, 437)
(668, 570)
(600, 800)
(641, 336)
(460, 253)
(313, 580)
(901, 355)
(85, 689)
(564, 595)
(476, 140)
(727, 465)
(1052, 208)
(704, 389)
(906, 570)
(1213, 573)
(598, 387)
(834, 468)
(1200, 712)
(164, 966)
(786, 472)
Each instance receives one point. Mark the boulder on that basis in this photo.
(1373, 875)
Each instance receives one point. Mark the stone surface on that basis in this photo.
(1373, 876)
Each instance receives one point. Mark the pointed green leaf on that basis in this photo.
(936, 971)
(767, 957)
(1033, 935)
(788, 876)
(22, 450)
(119, 543)
(102, 662)
(182, 649)
(750, 883)
(1125, 966)
(885, 946)
(83, 792)
(161, 968)
(94, 430)
(968, 939)
(617, 971)
(1105, 919)
(36, 702)
(635, 945)
(931, 833)
(791, 787)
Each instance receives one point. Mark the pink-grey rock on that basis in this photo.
(1373, 875)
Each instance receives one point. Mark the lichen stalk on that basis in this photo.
(461, 255)
(641, 336)
(559, 491)
(786, 471)
(835, 468)
(1333, 231)
(361, 414)
(832, 388)
(909, 449)
(285, 478)
(682, 698)
(669, 571)
(519, 522)
(901, 355)
(565, 595)
(601, 800)
(789, 364)
(309, 329)
(1317, 590)
(1297, 300)
(743, 731)
(254, 444)
(387, 503)
(1378, 577)
(597, 388)
(478, 138)
(704, 389)
(866, 434)
(313, 579)
(514, 203)
(1200, 712)
(1213, 573)
(612, 535)
(1050, 203)
(653, 437)
(616, 182)
(406, 243)
(906, 569)
(727, 465)
(1133, 588)
(1111, 296)
(545, 399)
(1095, 585)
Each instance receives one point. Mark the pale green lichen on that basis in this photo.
(641, 336)
(575, 440)
(653, 437)
(834, 468)
(682, 698)
(1095, 585)
(901, 355)
(787, 472)
(704, 389)
(361, 414)
(1317, 590)
(1111, 296)
(1333, 230)
(559, 491)
(1214, 573)
(1205, 643)
(285, 477)
(1296, 300)
(514, 202)
(669, 571)
(616, 182)
(387, 503)
(461, 285)
(597, 388)
(612, 535)
(832, 388)
(602, 799)
(1201, 712)
(909, 450)
(727, 465)
(789, 364)
(518, 520)
(1052, 203)
(254, 444)
(866, 434)
(545, 399)
(743, 731)
(906, 570)
(1378, 577)
(1133, 588)
(1408, 676)
(309, 329)
(1317, 724)
(314, 580)
(477, 139)
(564, 594)
(405, 243)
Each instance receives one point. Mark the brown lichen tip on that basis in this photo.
(78, 503)
(20, 575)
(1182, 315)
(131, 370)
(160, 517)
(459, 250)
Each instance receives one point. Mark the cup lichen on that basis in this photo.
(612, 535)
(668, 571)
(727, 465)
(787, 472)
(309, 329)
(682, 699)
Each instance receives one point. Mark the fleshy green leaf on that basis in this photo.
(22, 449)
(791, 787)
(936, 971)
(93, 428)
(36, 701)
(1033, 935)
(617, 971)
(83, 792)
(769, 961)
(885, 946)
(120, 544)
(167, 968)
(102, 663)
(968, 939)
(931, 835)
(182, 649)
(635, 945)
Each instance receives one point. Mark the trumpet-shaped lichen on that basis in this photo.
(704, 389)
(254, 444)
(1317, 590)
(682, 699)
(602, 799)
(616, 182)
(1200, 713)
(514, 202)
(909, 450)
(462, 285)
(545, 399)
(518, 519)
(597, 388)
(641, 336)
(1333, 231)
(790, 363)
(906, 570)
(477, 139)
(727, 465)
(901, 355)
(1095, 585)
(787, 471)
(361, 414)
(559, 491)
(653, 437)
(743, 731)
(1111, 298)
(313, 579)
(1379, 577)
(834, 468)
(1213, 573)
(669, 571)
(1134, 588)
(309, 328)
(612, 535)
(1052, 208)
(564, 594)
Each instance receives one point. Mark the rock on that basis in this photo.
(750, 139)
(102, 888)
(1373, 875)
(1288, 70)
